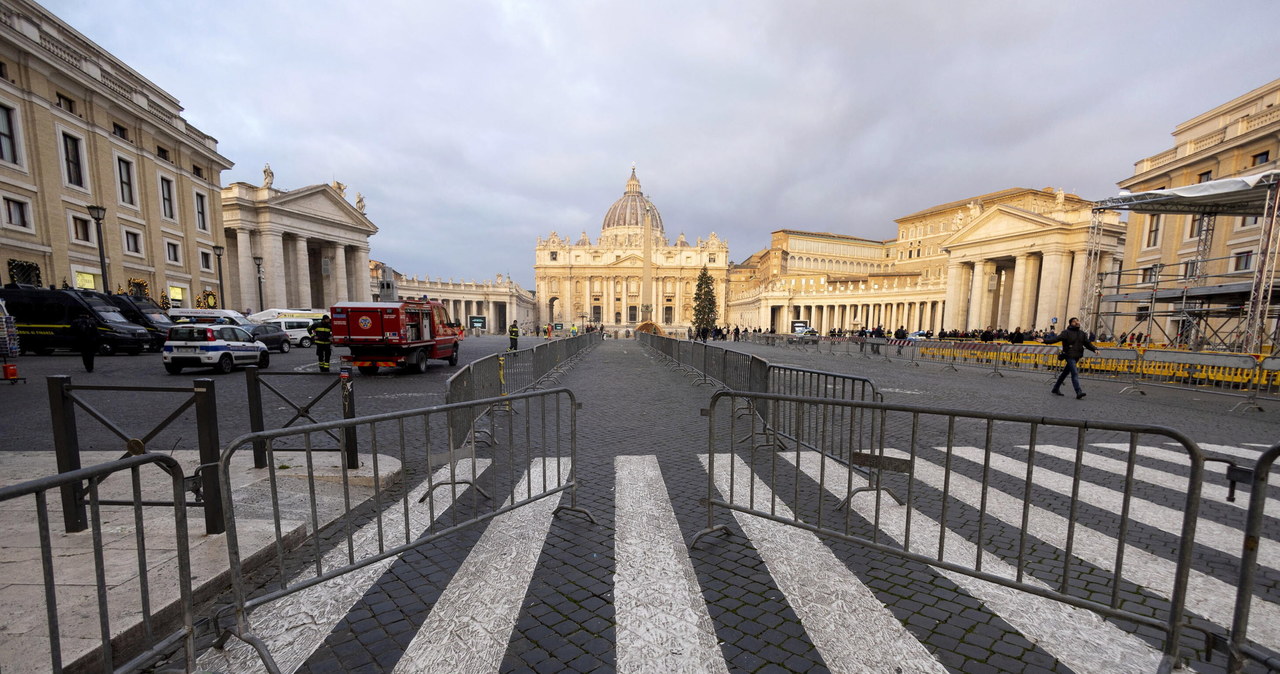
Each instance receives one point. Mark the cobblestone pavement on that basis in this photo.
(542, 592)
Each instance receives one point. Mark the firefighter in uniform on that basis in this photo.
(322, 335)
(514, 333)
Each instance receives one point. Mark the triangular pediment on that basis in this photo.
(628, 260)
(1001, 222)
(324, 202)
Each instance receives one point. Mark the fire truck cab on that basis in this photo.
(403, 333)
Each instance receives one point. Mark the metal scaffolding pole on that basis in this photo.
(1263, 280)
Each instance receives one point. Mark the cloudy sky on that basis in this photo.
(472, 128)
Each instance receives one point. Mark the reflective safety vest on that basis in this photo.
(514, 331)
(322, 333)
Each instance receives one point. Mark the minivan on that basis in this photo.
(43, 318)
(145, 312)
(296, 328)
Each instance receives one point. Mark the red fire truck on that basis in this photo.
(404, 334)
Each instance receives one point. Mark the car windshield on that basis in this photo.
(158, 317)
(107, 312)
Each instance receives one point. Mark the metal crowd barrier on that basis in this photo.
(1239, 650)
(531, 460)
(203, 484)
(149, 633)
(967, 476)
(256, 380)
(506, 374)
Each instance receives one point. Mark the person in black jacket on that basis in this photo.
(1074, 342)
(87, 340)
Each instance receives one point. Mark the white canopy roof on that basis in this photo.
(1241, 195)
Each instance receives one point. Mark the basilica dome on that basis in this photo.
(629, 210)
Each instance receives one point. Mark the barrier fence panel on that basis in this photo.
(1229, 374)
(1240, 649)
(134, 611)
(986, 497)
(316, 386)
(533, 457)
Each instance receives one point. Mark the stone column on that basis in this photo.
(246, 271)
(341, 282)
(955, 294)
(1029, 279)
(362, 290)
(1016, 291)
(1050, 302)
(978, 295)
(273, 269)
(302, 276)
(1078, 284)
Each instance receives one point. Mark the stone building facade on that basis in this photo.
(1014, 258)
(1239, 137)
(497, 301)
(299, 248)
(631, 274)
(79, 128)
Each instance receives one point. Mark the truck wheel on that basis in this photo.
(225, 364)
(173, 368)
(367, 370)
(417, 362)
(304, 343)
(453, 357)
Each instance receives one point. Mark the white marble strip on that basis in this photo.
(295, 625)
(662, 620)
(1209, 490)
(850, 627)
(1080, 639)
(1238, 452)
(1207, 596)
(470, 626)
(1218, 536)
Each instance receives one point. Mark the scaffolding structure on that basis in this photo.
(1226, 309)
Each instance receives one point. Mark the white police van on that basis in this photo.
(221, 347)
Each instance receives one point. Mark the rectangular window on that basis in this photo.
(66, 103)
(202, 218)
(1153, 231)
(71, 155)
(162, 152)
(1205, 177)
(132, 242)
(197, 171)
(711, 258)
(631, 314)
(1190, 268)
(15, 213)
(125, 168)
(80, 230)
(668, 315)
(1244, 260)
(554, 256)
(166, 198)
(118, 130)
(1249, 221)
(206, 260)
(172, 252)
(1261, 158)
(8, 135)
(1150, 275)
(1197, 225)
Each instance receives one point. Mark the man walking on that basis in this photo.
(514, 333)
(87, 339)
(322, 336)
(1074, 342)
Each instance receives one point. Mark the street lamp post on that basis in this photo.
(257, 260)
(222, 293)
(98, 213)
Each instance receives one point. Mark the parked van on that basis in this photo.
(43, 318)
(208, 316)
(148, 314)
(268, 314)
(296, 325)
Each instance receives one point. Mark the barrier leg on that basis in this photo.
(66, 446)
(1251, 402)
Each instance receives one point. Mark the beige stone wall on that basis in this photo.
(59, 85)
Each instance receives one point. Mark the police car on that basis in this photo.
(221, 347)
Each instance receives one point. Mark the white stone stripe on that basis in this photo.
(1229, 450)
(1225, 539)
(1209, 490)
(296, 624)
(1207, 596)
(470, 626)
(852, 629)
(662, 620)
(1080, 639)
